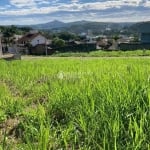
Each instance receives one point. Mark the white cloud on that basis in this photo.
(147, 4)
(74, 1)
(33, 9)
(22, 3)
(87, 11)
(28, 3)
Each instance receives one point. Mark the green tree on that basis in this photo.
(8, 34)
(25, 29)
(66, 36)
(115, 37)
(135, 38)
(57, 42)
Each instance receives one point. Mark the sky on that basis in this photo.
(41, 11)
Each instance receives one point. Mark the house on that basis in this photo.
(144, 30)
(16, 37)
(104, 44)
(144, 42)
(73, 42)
(33, 38)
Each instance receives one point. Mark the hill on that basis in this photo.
(81, 26)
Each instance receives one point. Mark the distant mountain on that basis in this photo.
(84, 26)
(49, 25)
(80, 26)
(142, 26)
(57, 24)
(94, 27)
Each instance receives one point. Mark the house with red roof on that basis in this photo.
(33, 38)
(29, 43)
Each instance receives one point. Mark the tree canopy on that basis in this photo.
(57, 42)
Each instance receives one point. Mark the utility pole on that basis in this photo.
(1, 53)
(46, 47)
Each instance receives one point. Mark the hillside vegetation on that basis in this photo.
(85, 104)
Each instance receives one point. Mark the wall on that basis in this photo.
(38, 50)
(133, 46)
(38, 40)
(77, 48)
(41, 49)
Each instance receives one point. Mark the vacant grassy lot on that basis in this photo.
(86, 104)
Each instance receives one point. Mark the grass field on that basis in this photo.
(86, 104)
(106, 53)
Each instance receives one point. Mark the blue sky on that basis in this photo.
(42, 11)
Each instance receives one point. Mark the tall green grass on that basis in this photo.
(106, 53)
(75, 104)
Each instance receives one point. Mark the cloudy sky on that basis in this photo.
(41, 11)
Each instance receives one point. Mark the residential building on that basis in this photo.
(30, 41)
(17, 37)
(33, 38)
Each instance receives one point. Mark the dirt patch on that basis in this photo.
(10, 57)
(9, 131)
(14, 91)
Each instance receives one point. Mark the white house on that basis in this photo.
(32, 38)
